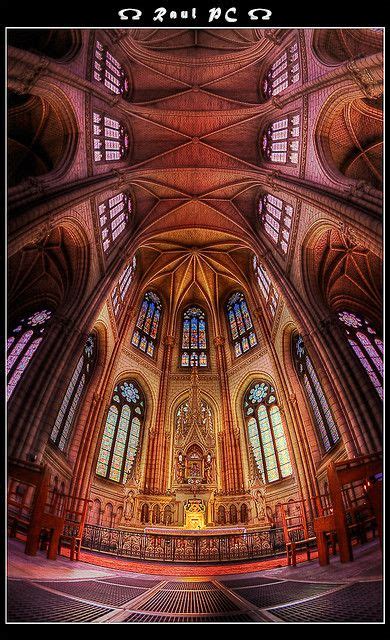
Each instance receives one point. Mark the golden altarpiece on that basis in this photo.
(194, 499)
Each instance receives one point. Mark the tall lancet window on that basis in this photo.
(281, 140)
(268, 291)
(108, 70)
(76, 388)
(23, 342)
(322, 414)
(241, 325)
(265, 432)
(194, 346)
(120, 291)
(283, 72)
(110, 138)
(367, 346)
(121, 436)
(146, 328)
(276, 218)
(114, 214)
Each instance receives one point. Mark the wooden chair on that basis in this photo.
(350, 512)
(39, 510)
(75, 515)
(295, 531)
(323, 525)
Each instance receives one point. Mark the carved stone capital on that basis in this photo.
(219, 341)
(364, 79)
(35, 185)
(96, 397)
(273, 35)
(277, 102)
(169, 340)
(293, 398)
(31, 74)
(115, 101)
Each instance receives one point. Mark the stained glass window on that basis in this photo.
(110, 138)
(121, 436)
(76, 387)
(146, 328)
(241, 325)
(22, 344)
(194, 346)
(108, 70)
(266, 433)
(281, 140)
(276, 218)
(268, 290)
(114, 215)
(284, 71)
(367, 346)
(119, 292)
(323, 418)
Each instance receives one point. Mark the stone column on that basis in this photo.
(231, 439)
(157, 458)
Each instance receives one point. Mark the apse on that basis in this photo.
(195, 325)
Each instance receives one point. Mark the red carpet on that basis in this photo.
(186, 569)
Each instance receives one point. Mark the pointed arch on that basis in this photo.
(266, 437)
(194, 349)
(122, 433)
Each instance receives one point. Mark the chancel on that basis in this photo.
(195, 347)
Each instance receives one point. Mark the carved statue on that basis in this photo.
(209, 468)
(129, 504)
(257, 490)
(180, 468)
(260, 503)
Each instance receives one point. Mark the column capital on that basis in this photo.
(219, 341)
(169, 340)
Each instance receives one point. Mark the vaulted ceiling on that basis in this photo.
(196, 120)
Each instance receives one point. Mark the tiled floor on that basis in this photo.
(61, 591)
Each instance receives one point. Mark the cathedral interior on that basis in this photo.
(194, 352)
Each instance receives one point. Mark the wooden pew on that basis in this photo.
(41, 510)
(27, 491)
(295, 531)
(76, 509)
(348, 512)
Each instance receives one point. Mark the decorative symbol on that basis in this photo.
(350, 319)
(40, 317)
(258, 392)
(129, 392)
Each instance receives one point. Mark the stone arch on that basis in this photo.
(145, 513)
(147, 418)
(95, 512)
(108, 514)
(42, 133)
(335, 46)
(340, 273)
(233, 514)
(52, 269)
(349, 138)
(61, 45)
(217, 420)
(238, 407)
(118, 516)
(244, 513)
(80, 426)
(156, 514)
(221, 515)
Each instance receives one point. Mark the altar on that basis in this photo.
(194, 514)
(208, 531)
